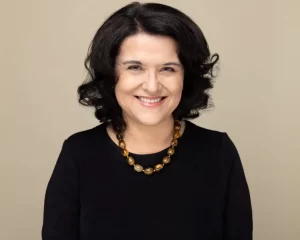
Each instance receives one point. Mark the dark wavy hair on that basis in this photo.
(156, 19)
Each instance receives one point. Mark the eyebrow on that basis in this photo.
(140, 63)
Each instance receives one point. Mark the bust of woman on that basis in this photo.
(146, 171)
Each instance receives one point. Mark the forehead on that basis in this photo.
(148, 48)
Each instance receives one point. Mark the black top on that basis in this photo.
(93, 194)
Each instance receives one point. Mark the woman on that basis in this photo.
(147, 172)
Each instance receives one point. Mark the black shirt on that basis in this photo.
(93, 194)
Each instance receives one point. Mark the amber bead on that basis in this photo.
(158, 167)
(148, 171)
(119, 136)
(174, 143)
(130, 161)
(166, 160)
(176, 134)
(124, 152)
(122, 144)
(171, 151)
(177, 125)
(138, 168)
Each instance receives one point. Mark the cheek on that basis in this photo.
(177, 88)
(122, 86)
(124, 89)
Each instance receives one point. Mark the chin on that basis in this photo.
(150, 121)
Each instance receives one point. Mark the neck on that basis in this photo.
(148, 139)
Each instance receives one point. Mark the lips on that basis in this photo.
(150, 101)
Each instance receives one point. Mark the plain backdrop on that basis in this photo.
(42, 47)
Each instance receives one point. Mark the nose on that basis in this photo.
(151, 83)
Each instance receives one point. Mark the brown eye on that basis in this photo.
(134, 67)
(168, 69)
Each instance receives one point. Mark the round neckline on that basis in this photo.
(111, 142)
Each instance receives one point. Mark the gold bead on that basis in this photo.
(158, 167)
(148, 171)
(174, 143)
(138, 168)
(130, 161)
(177, 125)
(171, 151)
(124, 152)
(176, 134)
(166, 160)
(119, 136)
(122, 144)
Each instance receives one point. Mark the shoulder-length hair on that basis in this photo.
(156, 19)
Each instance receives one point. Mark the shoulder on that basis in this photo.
(86, 138)
(208, 139)
(200, 134)
(214, 148)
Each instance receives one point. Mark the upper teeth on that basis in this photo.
(147, 100)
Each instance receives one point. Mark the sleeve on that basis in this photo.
(61, 205)
(238, 222)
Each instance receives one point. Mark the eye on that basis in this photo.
(134, 67)
(168, 69)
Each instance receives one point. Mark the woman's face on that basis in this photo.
(150, 78)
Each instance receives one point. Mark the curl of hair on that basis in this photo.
(97, 90)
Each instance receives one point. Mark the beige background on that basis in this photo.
(43, 45)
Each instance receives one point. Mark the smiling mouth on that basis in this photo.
(151, 100)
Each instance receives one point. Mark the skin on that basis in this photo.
(148, 66)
